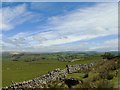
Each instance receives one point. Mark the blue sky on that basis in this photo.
(59, 26)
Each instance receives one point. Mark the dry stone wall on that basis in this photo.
(78, 67)
(57, 74)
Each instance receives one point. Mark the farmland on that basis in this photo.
(26, 66)
(24, 70)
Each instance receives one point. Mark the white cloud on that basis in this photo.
(87, 23)
(8, 14)
(109, 45)
(81, 24)
(13, 16)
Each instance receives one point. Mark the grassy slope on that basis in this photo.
(93, 79)
(20, 70)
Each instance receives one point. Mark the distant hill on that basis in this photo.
(62, 56)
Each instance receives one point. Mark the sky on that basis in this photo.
(59, 26)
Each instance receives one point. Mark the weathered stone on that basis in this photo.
(54, 75)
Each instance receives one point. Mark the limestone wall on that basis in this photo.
(77, 67)
(57, 74)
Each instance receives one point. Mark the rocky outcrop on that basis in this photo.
(71, 82)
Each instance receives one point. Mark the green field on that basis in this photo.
(26, 66)
(21, 70)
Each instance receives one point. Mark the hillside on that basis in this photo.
(30, 65)
(103, 74)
